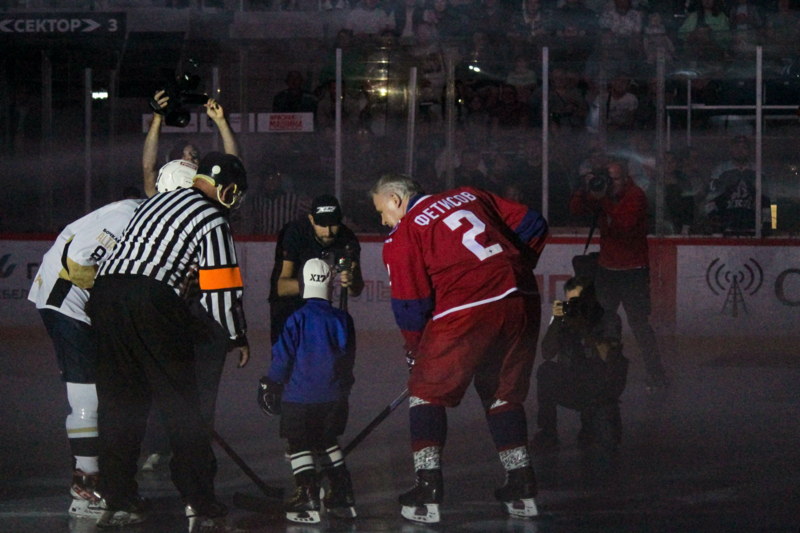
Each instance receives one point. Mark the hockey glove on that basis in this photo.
(269, 396)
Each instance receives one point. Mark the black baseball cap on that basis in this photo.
(325, 210)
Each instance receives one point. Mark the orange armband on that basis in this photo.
(216, 279)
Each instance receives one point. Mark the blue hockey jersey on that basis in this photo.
(315, 354)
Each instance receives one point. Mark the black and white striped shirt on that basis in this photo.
(171, 234)
(270, 214)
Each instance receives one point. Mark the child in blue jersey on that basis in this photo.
(308, 384)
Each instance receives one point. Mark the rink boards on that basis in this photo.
(703, 287)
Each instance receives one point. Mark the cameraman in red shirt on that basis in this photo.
(623, 274)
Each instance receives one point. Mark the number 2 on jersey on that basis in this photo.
(481, 252)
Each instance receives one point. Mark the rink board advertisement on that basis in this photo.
(738, 290)
(702, 287)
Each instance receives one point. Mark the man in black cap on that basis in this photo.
(323, 236)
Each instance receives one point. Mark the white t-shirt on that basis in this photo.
(68, 267)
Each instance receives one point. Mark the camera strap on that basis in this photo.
(591, 231)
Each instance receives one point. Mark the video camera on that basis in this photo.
(599, 181)
(342, 262)
(339, 260)
(181, 92)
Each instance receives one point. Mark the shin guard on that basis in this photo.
(509, 429)
(428, 425)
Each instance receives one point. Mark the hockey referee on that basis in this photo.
(145, 335)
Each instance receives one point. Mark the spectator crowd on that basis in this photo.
(597, 50)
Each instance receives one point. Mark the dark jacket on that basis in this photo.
(576, 347)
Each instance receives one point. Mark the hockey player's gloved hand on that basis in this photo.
(269, 396)
(410, 360)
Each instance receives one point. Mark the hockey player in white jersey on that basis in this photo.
(60, 292)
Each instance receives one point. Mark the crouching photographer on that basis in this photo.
(583, 371)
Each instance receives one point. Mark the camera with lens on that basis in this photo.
(599, 180)
(583, 310)
(572, 307)
(182, 91)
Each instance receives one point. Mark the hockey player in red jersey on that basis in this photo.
(460, 265)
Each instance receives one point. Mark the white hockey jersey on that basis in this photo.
(68, 268)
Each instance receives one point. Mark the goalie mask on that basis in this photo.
(178, 174)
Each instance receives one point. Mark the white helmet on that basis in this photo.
(175, 175)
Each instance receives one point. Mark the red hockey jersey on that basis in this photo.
(456, 250)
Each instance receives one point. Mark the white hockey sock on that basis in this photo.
(515, 458)
(429, 458)
(87, 465)
(333, 457)
(302, 461)
(82, 425)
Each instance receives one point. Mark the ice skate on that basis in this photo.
(304, 505)
(133, 511)
(85, 498)
(518, 493)
(210, 519)
(340, 500)
(421, 503)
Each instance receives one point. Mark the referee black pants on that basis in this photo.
(144, 338)
(210, 351)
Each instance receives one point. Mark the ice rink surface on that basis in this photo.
(718, 452)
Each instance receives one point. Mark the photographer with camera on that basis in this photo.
(186, 151)
(623, 271)
(582, 370)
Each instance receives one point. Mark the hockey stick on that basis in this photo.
(343, 265)
(343, 299)
(372, 425)
(269, 492)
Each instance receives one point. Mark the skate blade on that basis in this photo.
(427, 514)
(85, 509)
(304, 517)
(525, 508)
(342, 512)
(119, 518)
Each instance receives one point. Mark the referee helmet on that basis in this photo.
(222, 170)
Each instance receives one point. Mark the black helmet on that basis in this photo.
(224, 169)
